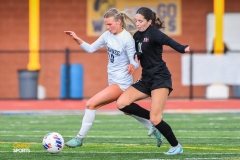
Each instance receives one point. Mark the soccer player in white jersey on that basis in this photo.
(121, 64)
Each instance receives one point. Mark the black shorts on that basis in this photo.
(147, 87)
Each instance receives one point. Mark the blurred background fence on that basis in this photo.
(67, 74)
(30, 26)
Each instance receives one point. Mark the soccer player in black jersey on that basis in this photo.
(156, 79)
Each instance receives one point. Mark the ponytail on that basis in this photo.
(126, 22)
(156, 21)
(148, 14)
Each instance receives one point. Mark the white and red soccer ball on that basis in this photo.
(53, 142)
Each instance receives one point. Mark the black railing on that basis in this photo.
(8, 84)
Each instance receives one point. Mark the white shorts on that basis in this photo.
(123, 86)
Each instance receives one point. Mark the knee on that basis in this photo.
(155, 119)
(90, 105)
(121, 104)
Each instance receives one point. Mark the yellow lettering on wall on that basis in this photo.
(168, 11)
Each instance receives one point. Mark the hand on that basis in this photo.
(72, 34)
(187, 49)
(137, 56)
(130, 68)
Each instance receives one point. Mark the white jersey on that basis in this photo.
(121, 50)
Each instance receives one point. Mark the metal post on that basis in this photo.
(67, 54)
(190, 76)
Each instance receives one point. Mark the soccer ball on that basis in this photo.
(53, 142)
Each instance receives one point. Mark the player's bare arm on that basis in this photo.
(74, 36)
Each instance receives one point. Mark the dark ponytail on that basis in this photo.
(156, 21)
(148, 14)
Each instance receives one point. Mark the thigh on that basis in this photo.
(106, 96)
(163, 83)
(159, 98)
(129, 96)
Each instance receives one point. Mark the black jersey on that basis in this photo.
(150, 44)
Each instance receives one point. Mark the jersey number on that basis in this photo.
(111, 57)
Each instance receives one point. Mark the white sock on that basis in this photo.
(144, 121)
(87, 121)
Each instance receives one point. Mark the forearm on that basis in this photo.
(74, 36)
(135, 64)
(78, 40)
(175, 45)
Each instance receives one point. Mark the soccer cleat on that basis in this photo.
(175, 150)
(154, 131)
(151, 130)
(74, 142)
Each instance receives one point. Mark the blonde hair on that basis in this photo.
(126, 22)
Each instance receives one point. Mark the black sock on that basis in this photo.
(163, 127)
(137, 110)
(167, 132)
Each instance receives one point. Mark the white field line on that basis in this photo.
(159, 159)
(223, 158)
(114, 112)
(84, 152)
(181, 131)
(128, 137)
(137, 145)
